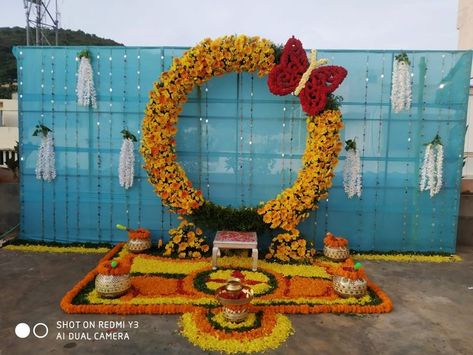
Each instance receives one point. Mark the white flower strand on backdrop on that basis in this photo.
(352, 180)
(401, 92)
(86, 95)
(431, 173)
(126, 169)
(45, 164)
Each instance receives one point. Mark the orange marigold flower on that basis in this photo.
(140, 233)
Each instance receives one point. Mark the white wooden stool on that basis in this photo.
(235, 240)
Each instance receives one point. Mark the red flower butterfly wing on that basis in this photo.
(285, 76)
(331, 75)
(322, 82)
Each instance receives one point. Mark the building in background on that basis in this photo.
(8, 127)
(465, 41)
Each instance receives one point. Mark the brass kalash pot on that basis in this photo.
(235, 298)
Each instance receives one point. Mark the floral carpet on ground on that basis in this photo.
(170, 286)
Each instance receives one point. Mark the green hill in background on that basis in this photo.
(16, 36)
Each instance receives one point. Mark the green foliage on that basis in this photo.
(402, 57)
(41, 129)
(215, 217)
(128, 135)
(16, 36)
(81, 297)
(83, 53)
(202, 278)
(437, 140)
(278, 49)
(216, 325)
(7, 89)
(333, 102)
(350, 144)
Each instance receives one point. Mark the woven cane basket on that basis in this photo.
(112, 286)
(349, 288)
(138, 245)
(336, 253)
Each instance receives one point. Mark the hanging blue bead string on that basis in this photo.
(207, 164)
(435, 201)
(423, 66)
(283, 146)
(78, 177)
(252, 150)
(99, 157)
(125, 125)
(66, 140)
(112, 173)
(363, 149)
(53, 115)
(162, 205)
(378, 154)
(240, 159)
(42, 122)
(407, 177)
(140, 116)
(21, 151)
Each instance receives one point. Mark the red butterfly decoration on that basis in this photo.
(285, 77)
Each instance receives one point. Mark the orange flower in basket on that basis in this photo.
(140, 233)
(335, 242)
(350, 270)
(114, 267)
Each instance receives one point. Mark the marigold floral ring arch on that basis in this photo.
(198, 65)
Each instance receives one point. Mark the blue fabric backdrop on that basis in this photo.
(242, 145)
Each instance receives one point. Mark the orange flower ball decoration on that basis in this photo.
(335, 242)
(115, 267)
(140, 233)
(349, 271)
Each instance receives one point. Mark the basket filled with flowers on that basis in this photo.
(139, 240)
(349, 280)
(336, 248)
(113, 279)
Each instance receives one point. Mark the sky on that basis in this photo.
(337, 24)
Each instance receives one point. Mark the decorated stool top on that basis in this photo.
(234, 237)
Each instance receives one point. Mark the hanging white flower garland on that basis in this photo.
(127, 160)
(352, 181)
(431, 172)
(86, 95)
(401, 92)
(46, 161)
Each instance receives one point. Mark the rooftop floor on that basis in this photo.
(433, 312)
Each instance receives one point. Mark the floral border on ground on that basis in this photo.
(182, 305)
(56, 249)
(272, 331)
(419, 258)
